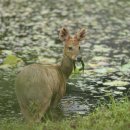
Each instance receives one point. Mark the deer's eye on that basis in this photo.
(70, 48)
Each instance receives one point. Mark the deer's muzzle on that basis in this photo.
(79, 59)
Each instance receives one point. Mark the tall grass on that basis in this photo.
(106, 117)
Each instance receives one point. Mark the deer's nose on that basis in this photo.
(79, 58)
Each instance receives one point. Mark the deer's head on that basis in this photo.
(71, 43)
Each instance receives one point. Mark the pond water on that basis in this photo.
(29, 33)
(85, 91)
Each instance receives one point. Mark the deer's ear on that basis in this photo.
(80, 35)
(63, 34)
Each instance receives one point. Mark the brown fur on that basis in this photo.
(39, 87)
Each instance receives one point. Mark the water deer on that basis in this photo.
(40, 87)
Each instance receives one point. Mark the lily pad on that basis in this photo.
(5, 67)
(7, 52)
(121, 88)
(118, 83)
(118, 92)
(100, 58)
(105, 70)
(11, 60)
(101, 48)
(46, 60)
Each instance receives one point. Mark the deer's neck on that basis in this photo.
(66, 66)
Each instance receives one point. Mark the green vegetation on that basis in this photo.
(110, 117)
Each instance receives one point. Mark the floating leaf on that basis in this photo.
(118, 83)
(101, 48)
(7, 52)
(11, 60)
(117, 92)
(101, 70)
(46, 60)
(105, 70)
(93, 65)
(121, 88)
(100, 58)
(5, 67)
